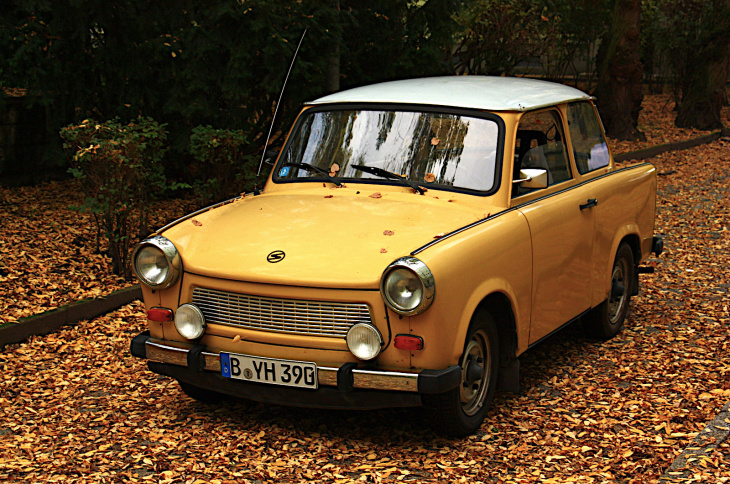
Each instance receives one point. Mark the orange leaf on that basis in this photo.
(376, 195)
(196, 223)
(388, 232)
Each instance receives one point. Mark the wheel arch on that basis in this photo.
(499, 306)
(629, 235)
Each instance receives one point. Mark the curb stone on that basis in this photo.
(689, 462)
(675, 146)
(52, 320)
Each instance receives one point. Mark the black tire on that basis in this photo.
(461, 411)
(607, 319)
(208, 397)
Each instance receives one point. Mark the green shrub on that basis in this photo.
(119, 168)
(222, 167)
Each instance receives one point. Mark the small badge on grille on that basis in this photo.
(276, 256)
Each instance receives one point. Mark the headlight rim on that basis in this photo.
(170, 253)
(424, 276)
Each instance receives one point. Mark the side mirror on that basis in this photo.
(533, 178)
(270, 156)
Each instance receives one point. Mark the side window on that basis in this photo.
(540, 143)
(589, 145)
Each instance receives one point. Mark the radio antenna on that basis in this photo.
(276, 110)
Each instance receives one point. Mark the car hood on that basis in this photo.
(318, 238)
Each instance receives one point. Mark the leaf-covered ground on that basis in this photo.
(75, 407)
(48, 252)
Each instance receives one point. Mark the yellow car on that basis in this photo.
(413, 239)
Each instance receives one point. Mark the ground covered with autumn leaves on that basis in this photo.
(75, 407)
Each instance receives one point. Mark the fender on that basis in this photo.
(520, 311)
(602, 278)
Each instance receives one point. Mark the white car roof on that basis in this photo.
(475, 92)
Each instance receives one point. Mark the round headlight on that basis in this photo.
(189, 321)
(156, 262)
(364, 341)
(408, 286)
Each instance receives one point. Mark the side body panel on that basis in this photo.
(562, 240)
(626, 207)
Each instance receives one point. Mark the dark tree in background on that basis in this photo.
(695, 38)
(220, 62)
(620, 72)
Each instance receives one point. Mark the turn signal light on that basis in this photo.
(408, 342)
(161, 315)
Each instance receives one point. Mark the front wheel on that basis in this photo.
(460, 412)
(607, 319)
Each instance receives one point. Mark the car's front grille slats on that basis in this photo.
(311, 318)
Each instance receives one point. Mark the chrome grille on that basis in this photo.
(312, 318)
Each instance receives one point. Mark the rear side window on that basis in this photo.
(589, 145)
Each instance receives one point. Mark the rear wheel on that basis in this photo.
(460, 411)
(201, 395)
(608, 319)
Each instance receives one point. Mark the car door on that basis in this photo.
(561, 224)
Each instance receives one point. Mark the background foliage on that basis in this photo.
(120, 169)
(222, 63)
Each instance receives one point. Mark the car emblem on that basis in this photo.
(276, 256)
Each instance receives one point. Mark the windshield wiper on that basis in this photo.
(374, 170)
(315, 169)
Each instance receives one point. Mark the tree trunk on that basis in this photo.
(704, 89)
(333, 64)
(333, 70)
(620, 73)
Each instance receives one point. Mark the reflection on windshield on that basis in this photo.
(433, 149)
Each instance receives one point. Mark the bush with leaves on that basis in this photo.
(222, 165)
(119, 167)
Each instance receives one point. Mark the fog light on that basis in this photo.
(189, 321)
(364, 341)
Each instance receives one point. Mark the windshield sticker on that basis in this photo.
(284, 171)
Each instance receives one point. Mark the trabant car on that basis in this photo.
(412, 240)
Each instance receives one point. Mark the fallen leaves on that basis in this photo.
(59, 263)
(197, 223)
(376, 195)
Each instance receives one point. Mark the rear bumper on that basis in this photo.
(348, 386)
(657, 245)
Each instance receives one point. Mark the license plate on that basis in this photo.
(290, 373)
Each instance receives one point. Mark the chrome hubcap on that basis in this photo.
(618, 297)
(475, 372)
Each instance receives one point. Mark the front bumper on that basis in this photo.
(348, 386)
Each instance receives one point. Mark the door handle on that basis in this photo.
(592, 202)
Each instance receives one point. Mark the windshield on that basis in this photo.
(436, 150)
